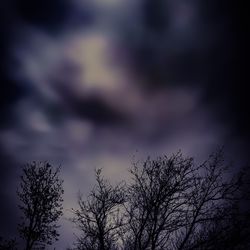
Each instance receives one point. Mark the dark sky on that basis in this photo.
(88, 83)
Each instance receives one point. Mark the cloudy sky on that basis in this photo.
(91, 83)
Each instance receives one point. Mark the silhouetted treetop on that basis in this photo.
(40, 193)
(169, 203)
(99, 217)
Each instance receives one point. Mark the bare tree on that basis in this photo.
(169, 203)
(211, 202)
(230, 231)
(98, 217)
(40, 194)
(156, 201)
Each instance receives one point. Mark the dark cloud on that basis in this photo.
(208, 53)
(10, 94)
(97, 111)
(155, 15)
(49, 15)
(227, 78)
(92, 108)
(9, 90)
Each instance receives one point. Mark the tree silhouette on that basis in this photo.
(156, 201)
(40, 194)
(212, 209)
(230, 231)
(98, 217)
(169, 203)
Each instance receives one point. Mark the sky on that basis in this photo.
(93, 83)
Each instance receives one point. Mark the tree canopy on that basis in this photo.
(40, 194)
(169, 203)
